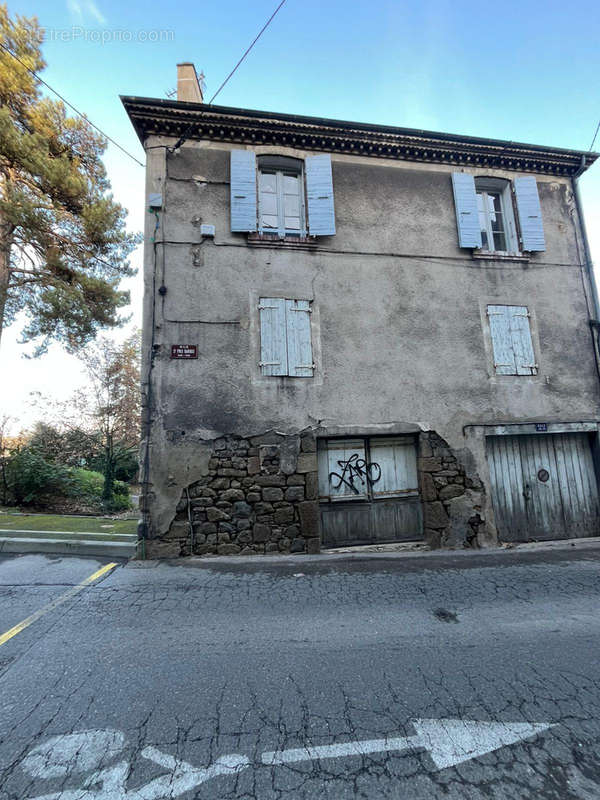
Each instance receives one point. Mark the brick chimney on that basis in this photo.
(189, 89)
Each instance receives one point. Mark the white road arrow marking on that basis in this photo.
(448, 741)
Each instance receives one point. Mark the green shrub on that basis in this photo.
(85, 484)
(30, 478)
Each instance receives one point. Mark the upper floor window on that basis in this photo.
(282, 195)
(485, 218)
(511, 340)
(496, 219)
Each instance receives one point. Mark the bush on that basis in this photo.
(30, 478)
(86, 484)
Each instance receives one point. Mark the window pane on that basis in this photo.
(267, 200)
(497, 220)
(482, 221)
(393, 467)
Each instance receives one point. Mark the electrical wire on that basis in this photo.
(71, 106)
(260, 33)
(596, 134)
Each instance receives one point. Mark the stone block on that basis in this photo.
(216, 515)
(288, 455)
(253, 465)
(226, 527)
(247, 551)
(313, 545)
(252, 497)
(294, 494)
(207, 528)
(297, 546)
(261, 533)
(295, 480)
(224, 505)
(241, 509)
(271, 547)
(272, 493)
(450, 491)
(429, 464)
(425, 450)
(435, 515)
(177, 530)
(228, 549)
(309, 518)
(312, 486)
(220, 483)
(284, 544)
(428, 490)
(231, 495)
(223, 538)
(270, 480)
(229, 472)
(263, 508)
(205, 549)
(283, 515)
(242, 524)
(239, 463)
(270, 437)
(307, 462)
(308, 442)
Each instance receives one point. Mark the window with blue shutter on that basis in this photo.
(511, 340)
(285, 338)
(530, 213)
(243, 191)
(467, 215)
(319, 195)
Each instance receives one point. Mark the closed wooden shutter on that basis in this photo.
(273, 337)
(319, 194)
(393, 467)
(346, 464)
(504, 357)
(530, 213)
(467, 216)
(299, 346)
(243, 191)
(520, 331)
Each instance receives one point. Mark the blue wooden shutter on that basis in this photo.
(243, 191)
(299, 346)
(530, 213)
(467, 215)
(520, 332)
(319, 193)
(273, 336)
(504, 356)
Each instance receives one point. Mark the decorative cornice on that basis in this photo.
(155, 117)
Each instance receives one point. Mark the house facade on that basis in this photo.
(358, 334)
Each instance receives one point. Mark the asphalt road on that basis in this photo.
(377, 677)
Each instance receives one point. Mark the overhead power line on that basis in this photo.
(260, 33)
(71, 106)
(596, 134)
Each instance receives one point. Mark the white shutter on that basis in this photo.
(319, 193)
(530, 213)
(521, 340)
(346, 470)
(299, 346)
(393, 467)
(467, 215)
(504, 357)
(243, 190)
(273, 339)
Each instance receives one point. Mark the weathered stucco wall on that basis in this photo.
(399, 327)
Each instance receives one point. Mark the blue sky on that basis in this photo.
(524, 71)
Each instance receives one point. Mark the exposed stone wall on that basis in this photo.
(260, 496)
(452, 500)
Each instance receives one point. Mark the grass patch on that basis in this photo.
(59, 522)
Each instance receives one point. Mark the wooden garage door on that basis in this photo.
(543, 486)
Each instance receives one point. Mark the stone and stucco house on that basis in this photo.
(356, 333)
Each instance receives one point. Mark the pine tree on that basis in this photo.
(63, 241)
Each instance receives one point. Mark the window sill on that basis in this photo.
(273, 239)
(486, 255)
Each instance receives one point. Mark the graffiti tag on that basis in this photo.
(355, 469)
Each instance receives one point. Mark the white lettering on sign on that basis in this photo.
(447, 741)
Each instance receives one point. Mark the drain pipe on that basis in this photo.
(589, 264)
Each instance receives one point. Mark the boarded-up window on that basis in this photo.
(367, 468)
(511, 340)
(285, 337)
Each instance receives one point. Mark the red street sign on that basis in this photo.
(184, 351)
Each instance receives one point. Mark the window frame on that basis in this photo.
(282, 166)
(484, 187)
